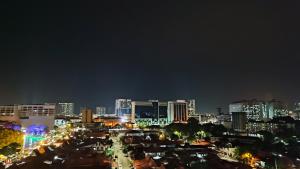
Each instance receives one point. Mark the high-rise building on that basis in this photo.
(297, 110)
(277, 108)
(123, 109)
(254, 109)
(86, 115)
(150, 112)
(191, 107)
(178, 111)
(259, 110)
(100, 111)
(239, 121)
(66, 109)
(28, 115)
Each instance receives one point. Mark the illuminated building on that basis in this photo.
(254, 109)
(277, 108)
(297, 110)
(100, 111)
(154, 112)
(36, 129)
(123, 109)
(259, 110)
(178, 111)
(207, 118)
(150, 112)
(271, 125)
(60, 121)
(108, 121)
(239, 120)
(27, 115)
(10, 113)
(191, 108)
(86, 115)
(65, 109)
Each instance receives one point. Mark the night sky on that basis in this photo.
(93, 52)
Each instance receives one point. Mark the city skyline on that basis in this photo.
(150, 84)
(95, 53)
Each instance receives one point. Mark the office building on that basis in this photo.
(150, 112)
(239, 121)
(66, 109)
(123, 109)
(178, 111)
(100, 111)
(28, 115)
(86, 115)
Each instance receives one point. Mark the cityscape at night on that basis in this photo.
(150, 85)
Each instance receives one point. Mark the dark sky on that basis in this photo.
(93, 52)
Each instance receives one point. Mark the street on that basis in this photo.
(123, 162)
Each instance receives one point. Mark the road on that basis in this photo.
(123, 162)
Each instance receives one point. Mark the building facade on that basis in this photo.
(86, 115)
(100, 111)
(28, 115)
(66, 109)
(178, 111)
(272, 126)
(152, 112)
(123, 109)
(192, 108)
(239, 121)
(260, 110)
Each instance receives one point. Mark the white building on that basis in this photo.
(259, 110)
(100, 111)
(65, 109)
(123, 109)
(192, 108)
(255, 110)
(27, 115)
(178, 111)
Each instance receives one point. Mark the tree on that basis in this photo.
(177, 127)
(15, 146)
(8, 136)
(193, 125)
(7, 151)
(268, 137)
(174, 137)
